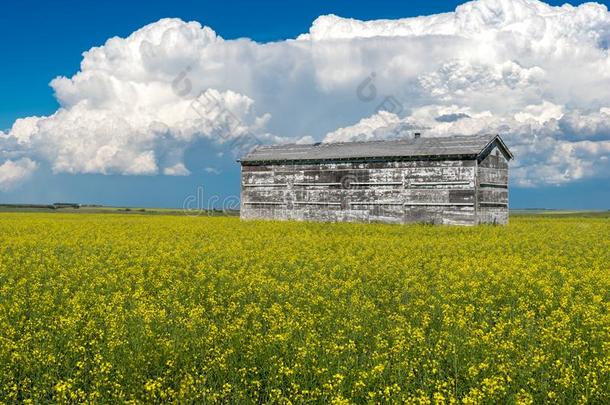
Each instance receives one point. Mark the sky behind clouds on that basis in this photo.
(145, 117)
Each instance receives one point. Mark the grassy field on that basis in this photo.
(117, 307)
(104, 209)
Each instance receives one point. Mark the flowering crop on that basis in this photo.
(107, 308)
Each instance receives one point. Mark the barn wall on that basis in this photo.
(492, 189)
(428, 191)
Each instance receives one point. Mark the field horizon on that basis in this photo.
(100, 208)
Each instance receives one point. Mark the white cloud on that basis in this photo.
(212, 170)
(176, 170)
(540, 113)
(382, 125)
(535, 73)
(14, 172)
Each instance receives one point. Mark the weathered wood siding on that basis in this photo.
(492, 189)
(430, 191)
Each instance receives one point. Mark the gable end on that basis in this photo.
(496, 142)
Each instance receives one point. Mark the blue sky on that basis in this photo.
(43, 40)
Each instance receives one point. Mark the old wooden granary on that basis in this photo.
(460, 180)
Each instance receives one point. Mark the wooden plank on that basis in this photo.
(462, 196)
(490, 175)
(494, 203)
(492, 215)
(316, 203)
(378, 183)
(316, 184)
(263, 203)
(440, 204)
(498, 185)
(440, 183)
(377, 203)
(426, 195)
(265, 185)
(493, 194)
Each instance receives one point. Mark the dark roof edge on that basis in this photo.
(502, 145)
(359, 159)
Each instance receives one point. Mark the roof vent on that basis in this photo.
(417, 135)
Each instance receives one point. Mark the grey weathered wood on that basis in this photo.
(453, 190)
(492, 191)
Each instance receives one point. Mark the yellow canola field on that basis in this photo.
(117, 307)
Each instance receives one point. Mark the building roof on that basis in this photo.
(472, 146)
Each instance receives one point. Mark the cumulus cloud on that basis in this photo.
(383, 125)
(14, 172)
(535, 73)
